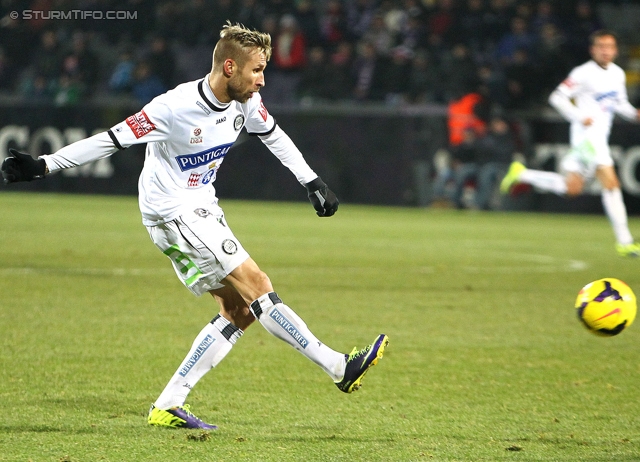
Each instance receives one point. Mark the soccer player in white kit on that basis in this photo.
(189, 131)
(588, 98)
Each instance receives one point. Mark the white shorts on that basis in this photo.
(586, 157)
(201, 247)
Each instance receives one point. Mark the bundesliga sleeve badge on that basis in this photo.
(140, 124)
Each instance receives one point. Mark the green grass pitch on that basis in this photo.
(487, 360)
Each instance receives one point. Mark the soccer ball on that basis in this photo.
(606, 306)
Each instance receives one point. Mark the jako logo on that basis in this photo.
(290, 328)
(206, 343)
(191, 161)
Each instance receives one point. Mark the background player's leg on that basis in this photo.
(547, 181)
(211, 345)
(280, 320)
(613, 204)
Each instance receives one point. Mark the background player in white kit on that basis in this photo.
(188, 132)
(588, 98)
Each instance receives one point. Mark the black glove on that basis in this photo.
(322, 198)
(22, 167)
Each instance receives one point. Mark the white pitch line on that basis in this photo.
(88, 271)
(528, 263)
(546, 265)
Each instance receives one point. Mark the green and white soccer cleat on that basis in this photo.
(176, 417)
(511, 178)
(359, 362)
(628, 250)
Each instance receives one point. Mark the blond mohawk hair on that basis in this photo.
(237, 42)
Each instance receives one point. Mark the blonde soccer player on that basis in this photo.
(188, 132)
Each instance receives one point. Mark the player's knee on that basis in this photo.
(574, 187)
(261, 282)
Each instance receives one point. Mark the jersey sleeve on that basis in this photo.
(571, 86)
(286, 151)
(81, 152)
(561, 97)
(259, 121)
(152, 123)
(623, 106)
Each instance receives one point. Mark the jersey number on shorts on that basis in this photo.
(188, 268)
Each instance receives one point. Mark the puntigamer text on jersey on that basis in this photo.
(191, 161)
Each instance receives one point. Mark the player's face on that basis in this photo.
(248, 80)
(604, 50)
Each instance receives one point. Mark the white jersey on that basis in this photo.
(591, 91)
(188, 134)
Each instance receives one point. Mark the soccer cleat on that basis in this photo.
(359, 362)
(176, 417)
(628, 250)
(511, 178)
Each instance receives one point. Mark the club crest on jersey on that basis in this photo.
(229, 247)
(197, 136)
(238, 122)
(263, 111)
(140, 124)
(203, 213)
(191, 161)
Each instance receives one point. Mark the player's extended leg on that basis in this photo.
(547, 181)
(281, 321)
(211, 345)
(615, 209)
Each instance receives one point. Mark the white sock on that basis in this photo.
(282, 322)
(617, 213)
(209, 348)
(547, 181)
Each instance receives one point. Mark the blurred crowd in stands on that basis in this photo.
(392, 51)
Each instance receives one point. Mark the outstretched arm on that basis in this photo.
(153, 123)
(323, 199)
(286, 151)
(20, 166)
(81, 152)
